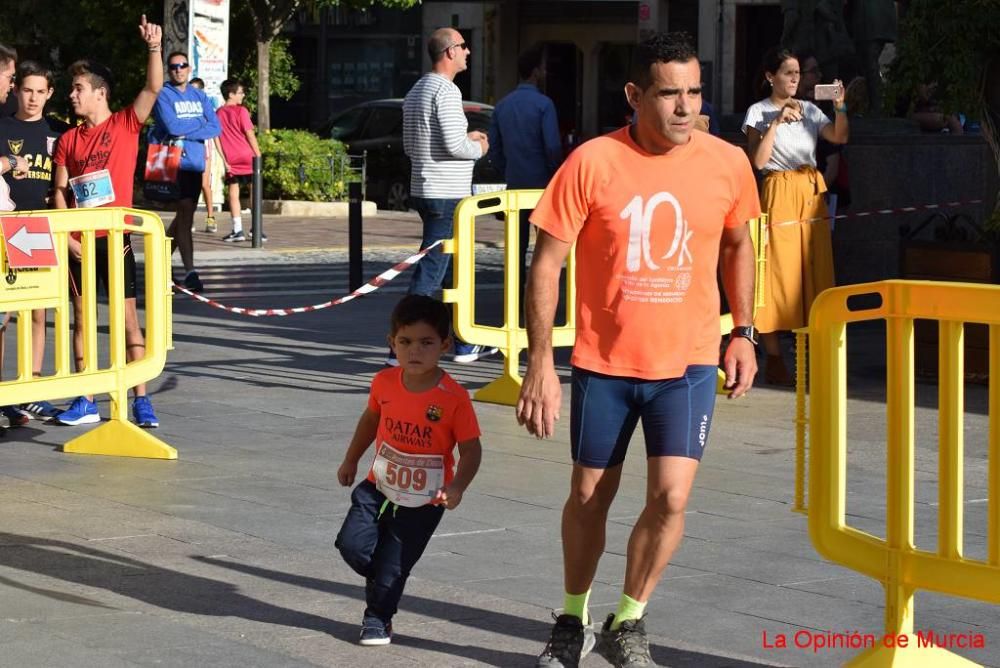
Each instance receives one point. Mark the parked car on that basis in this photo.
(376, 126)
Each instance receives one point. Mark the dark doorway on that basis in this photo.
(464, 79)
(563, 83)
(758, 28)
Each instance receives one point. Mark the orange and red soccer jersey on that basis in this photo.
(647, 229)
(423, 423)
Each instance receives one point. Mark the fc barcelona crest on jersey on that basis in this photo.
(434, 413)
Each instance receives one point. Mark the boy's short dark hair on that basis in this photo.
(412, 309)
(30, 68)
(198, 83)
(662, 47)
(229, 87)
(98, 75)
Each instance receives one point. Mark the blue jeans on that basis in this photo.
(382, 546)
(437, 216)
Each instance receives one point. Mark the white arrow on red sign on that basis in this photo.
(28, 242)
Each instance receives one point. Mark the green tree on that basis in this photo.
(269, 17)
(58, 32)
(957, 45)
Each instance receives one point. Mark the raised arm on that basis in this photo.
(152, 35)
(837, 132)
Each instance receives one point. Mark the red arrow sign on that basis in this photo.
(29, 242)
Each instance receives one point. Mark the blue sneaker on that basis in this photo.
(466, 353)
(41, 410)
(375, 632)
(15, 416)
(81, 411)
(142, 411)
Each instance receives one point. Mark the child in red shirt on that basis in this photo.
(416, 415)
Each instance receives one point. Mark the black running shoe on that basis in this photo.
(626, 647)
(570, 641)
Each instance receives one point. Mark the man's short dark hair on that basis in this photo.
(98, 75)
(229, 87)
(177, 53)
(7, 55)
(30, 68)
(412, 309)
(662, 47)
(530, 60)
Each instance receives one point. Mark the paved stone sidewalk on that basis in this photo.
(225, 557)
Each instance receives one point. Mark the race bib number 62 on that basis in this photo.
(407, 479)
(94, 189)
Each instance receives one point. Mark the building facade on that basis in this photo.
(344, 57)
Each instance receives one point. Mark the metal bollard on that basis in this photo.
(256, 214)
(354, 273)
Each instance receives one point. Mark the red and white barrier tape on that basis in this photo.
(369, 287)
(879, 212)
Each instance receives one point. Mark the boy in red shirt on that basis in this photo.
(238, 147)
(416, 415)
(104, 148)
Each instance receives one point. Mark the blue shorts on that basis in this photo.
(676, 415)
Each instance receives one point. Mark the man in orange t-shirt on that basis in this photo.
(654, 210)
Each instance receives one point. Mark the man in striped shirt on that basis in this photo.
(442, 154)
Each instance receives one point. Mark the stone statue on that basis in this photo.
(873, 25)
(817, 26)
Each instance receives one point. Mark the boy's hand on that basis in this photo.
(449, 497)
(151, 33)
(346, 473)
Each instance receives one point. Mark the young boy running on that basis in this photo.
(416, 415)
(238, 147)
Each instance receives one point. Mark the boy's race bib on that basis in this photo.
(94, 189)
(407, 479)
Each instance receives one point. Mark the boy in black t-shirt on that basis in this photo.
(31, 137)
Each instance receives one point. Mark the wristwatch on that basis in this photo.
(12, 162)
(748, 332)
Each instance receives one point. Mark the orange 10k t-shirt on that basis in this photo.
(422, 423)
(647, 230)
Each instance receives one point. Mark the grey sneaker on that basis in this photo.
(627, 647)
(570, 641)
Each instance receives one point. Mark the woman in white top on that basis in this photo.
(782, 133)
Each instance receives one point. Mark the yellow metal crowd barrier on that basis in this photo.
(48, 288)
(510, 337)
(895, 561)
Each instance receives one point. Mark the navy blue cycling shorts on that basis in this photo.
(676, 415)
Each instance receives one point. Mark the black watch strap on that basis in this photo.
(748, 332)
(11, 162)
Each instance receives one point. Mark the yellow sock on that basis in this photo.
(576, 605)
(628, 608)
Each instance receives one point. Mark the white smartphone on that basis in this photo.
(827, 92)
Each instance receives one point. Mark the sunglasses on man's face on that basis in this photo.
(460, 45)
(177, 66)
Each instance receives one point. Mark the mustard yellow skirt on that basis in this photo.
(799, 255)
